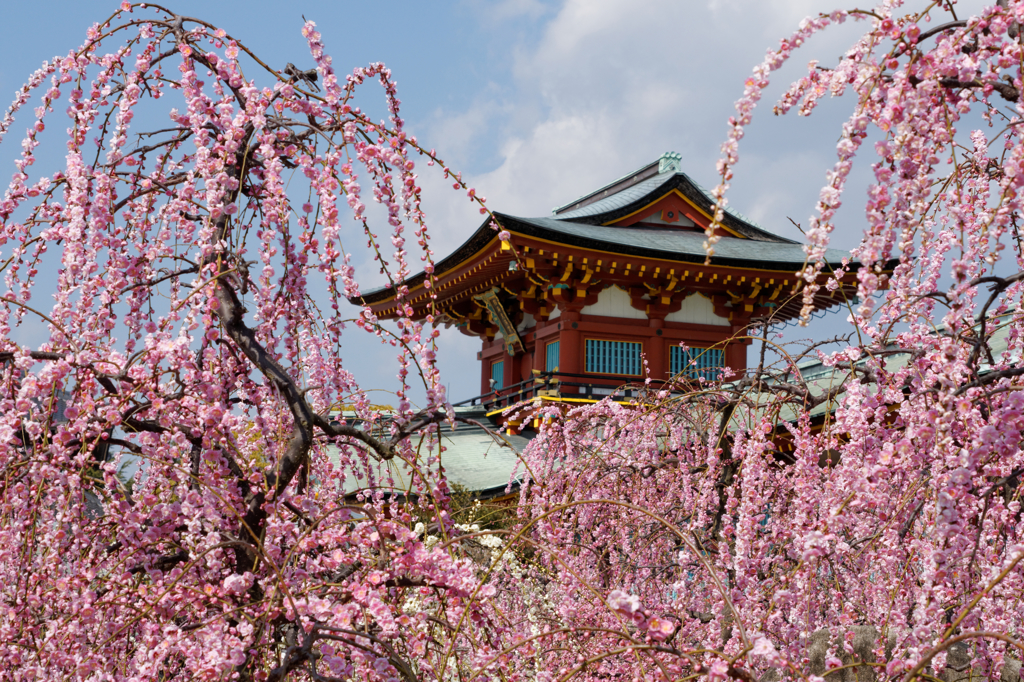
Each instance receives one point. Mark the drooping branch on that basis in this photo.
(941, 28)
(1006, 90)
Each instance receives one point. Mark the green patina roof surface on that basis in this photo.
(473, 459)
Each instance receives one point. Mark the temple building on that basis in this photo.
(612, 288)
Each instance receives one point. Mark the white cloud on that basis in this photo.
(609, 86)
(496, 11)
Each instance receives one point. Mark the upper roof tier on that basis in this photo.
(646, 229)
(631, 193)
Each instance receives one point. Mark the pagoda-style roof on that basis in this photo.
(644, 232)
(629, 195)
(666, 243)
(473, 458)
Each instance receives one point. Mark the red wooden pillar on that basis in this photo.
(540, 353)
(570, 348)
(513, 368)
(525, 365)
(656, 349)
(736, 356)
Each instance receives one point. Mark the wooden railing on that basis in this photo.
(560, 384)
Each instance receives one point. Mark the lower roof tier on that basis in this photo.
(548, 264)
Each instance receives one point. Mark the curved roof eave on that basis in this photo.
(667, 243)
(646, 242)
(477, 241)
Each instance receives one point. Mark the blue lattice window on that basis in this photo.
(498, 375)
(697, 362)
(551, 357)
(613, 357)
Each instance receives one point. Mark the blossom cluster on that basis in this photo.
(175, 501)
(868, 520)
(179, 502)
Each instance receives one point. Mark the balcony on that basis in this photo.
(565, 387)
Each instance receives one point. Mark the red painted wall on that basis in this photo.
(572, 329)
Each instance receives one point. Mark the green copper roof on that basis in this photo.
(473, 458)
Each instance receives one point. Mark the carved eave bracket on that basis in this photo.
(574, 289)
(657, 301)
(496, 311)
(534, 301)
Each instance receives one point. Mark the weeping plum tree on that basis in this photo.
(865, 524)
(183, 286)
(173, 299)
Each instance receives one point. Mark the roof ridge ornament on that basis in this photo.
(669, 162)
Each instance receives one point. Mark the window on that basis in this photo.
(697, 362)
(613, 357)
(498, 375)
(551, 357)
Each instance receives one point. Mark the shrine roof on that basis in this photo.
(473, 458)
(620, 199)
(609, 220)
(612, 203)
(667, 243)
(646, 241)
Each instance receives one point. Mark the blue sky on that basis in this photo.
(537, 102)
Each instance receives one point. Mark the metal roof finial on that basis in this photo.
(669, 162)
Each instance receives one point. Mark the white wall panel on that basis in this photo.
(697, 310)
(614, 302)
